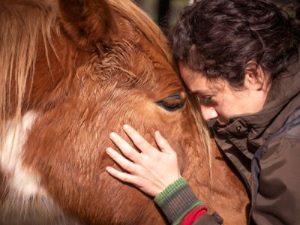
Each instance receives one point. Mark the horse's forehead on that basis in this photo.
(148, 60)
(144, 39)
(140, 56)
(148, 56)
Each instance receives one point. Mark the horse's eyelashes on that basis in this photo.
(171, 107)
(173, 102)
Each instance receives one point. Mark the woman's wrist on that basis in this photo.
(169, 190)
(176, 200)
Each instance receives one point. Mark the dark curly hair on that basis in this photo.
(219, 38)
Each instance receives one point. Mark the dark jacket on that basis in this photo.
(265, 149)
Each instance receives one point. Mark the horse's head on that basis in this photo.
(83, 69)
(72, 71)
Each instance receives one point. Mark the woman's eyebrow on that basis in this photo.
(200, 92)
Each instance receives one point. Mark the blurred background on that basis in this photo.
(166, 12)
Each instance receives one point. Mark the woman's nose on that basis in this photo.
(208, 113)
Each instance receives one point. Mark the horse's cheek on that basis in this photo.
(69, 157)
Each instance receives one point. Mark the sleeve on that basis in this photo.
(278, 197)
(181, 206)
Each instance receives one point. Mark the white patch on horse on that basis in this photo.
(26, 201)
(19, 178)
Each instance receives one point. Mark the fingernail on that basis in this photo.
(126, 126)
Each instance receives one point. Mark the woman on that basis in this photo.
(240, 58)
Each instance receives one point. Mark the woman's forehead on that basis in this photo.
(197, 82)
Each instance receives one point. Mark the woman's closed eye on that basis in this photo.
(206, 99)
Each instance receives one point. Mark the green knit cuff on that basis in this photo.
(176, 200)
(169, 190)
(179, 219)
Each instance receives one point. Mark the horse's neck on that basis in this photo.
(220, 188)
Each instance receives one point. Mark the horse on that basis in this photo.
(72, 71)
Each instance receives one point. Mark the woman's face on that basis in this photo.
(218, 100)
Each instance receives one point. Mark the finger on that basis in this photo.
(138, 140)
(162, 143)
(125, 147)
(131, 179)
(125, 177)
(121, 161)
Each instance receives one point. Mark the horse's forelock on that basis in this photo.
(21, 26)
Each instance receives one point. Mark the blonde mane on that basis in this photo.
(20, 29)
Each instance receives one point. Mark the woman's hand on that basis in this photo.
(150, 170)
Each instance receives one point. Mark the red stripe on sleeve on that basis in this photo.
(194, 215)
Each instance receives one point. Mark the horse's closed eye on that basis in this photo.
(173, 102)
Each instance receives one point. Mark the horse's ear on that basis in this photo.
(86, 22)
